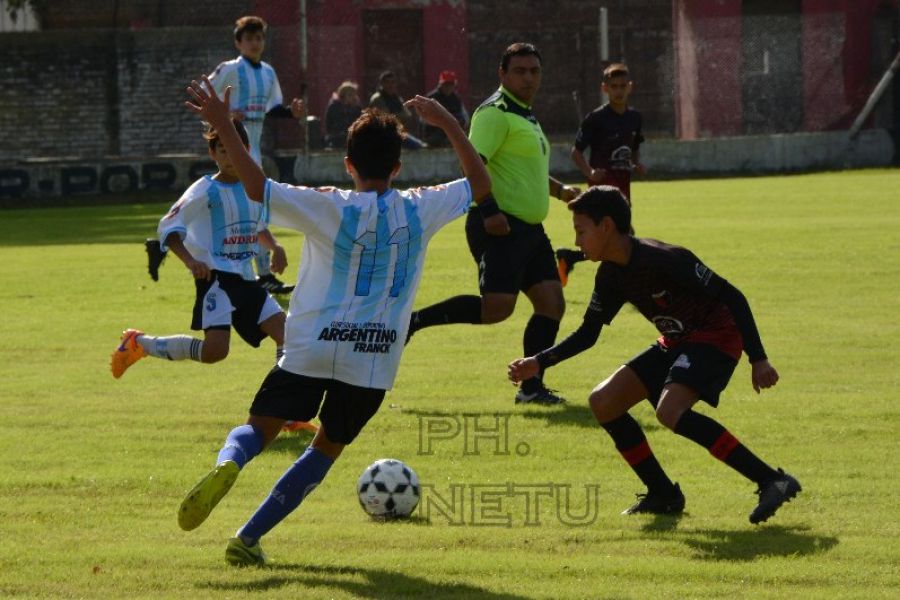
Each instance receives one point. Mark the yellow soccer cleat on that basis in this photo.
(204, 496)
(240, 554)
(128, 352)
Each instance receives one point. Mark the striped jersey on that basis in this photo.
(363, 255)
(254, 92)
(218, 224)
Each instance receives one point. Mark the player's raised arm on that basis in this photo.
(214, 110)
(433, 113)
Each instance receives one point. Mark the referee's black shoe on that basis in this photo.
(772, 494)
(671, 503)
(155, 257)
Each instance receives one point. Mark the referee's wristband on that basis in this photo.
(488, 207)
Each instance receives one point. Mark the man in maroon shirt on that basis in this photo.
(613, 133)
(704, 324)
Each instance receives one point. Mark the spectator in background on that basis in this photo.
(343, 109)
(445, 94)
(387, 99)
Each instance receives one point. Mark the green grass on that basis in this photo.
(93, 469)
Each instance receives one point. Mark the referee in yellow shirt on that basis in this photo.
(506, 235)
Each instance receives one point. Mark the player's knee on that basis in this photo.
(213, 353)
(668, 415)
(602, 406)
(494, 312)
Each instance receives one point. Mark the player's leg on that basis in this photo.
(345, 411)
(610, 402)
(541, 285)
(497, 284)
(135, 345)
(702, 371)
(282, 395)
(566, 259)
(155, 257)
(216, 344)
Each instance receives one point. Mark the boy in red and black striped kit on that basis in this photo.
(704, 323)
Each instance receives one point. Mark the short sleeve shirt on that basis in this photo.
(613, 138)
(506, 133)
(254, 92)
(218, 224)
(672, 289)
(363, 255)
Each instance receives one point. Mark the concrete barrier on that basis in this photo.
(48, 178)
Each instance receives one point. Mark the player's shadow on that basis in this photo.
(751, 544)
(578, 415)
(359, 582)
(294, 442)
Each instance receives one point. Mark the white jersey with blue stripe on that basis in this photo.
(218, 224)
(362, 262)
(254, 92)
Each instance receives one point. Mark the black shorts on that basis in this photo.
(701, 367)
(510, 263)
(228, 300)
(345, 410)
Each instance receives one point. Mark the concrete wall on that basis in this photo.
(26, 182)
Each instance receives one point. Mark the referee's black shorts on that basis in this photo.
(345, 410)
(510, 263)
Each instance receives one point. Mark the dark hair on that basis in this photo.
(373, 144)
(386, 75)
(604, 201)
(518, 49)
(615, 70)
(249, 24)
(212, 136)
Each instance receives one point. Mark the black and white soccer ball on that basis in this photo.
(388, 489)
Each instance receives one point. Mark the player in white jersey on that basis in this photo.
(256, 94)
(215, 229)
(362, 262)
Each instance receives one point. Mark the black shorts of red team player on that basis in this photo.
(508, 264)
(345, 408)
(701, 367)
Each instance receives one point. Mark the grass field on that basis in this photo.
(93, 469)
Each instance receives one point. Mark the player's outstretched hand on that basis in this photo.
(431, 111)
(522, 369)
(763, 375)
(569, 192)
(207, 104)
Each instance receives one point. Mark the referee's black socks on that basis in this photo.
(540, 334)
(459, 309)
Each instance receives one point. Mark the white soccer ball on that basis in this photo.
(388, 489)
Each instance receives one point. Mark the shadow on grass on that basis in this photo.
(566, 415)
(750, 544)
(294, 442)
(356, 581)
(81, 225)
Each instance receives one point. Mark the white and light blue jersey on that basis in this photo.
(254, 92)
(218, 224)
(362, 263)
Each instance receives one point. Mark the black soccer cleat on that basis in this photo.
(655, 503)
(273, 285)
(542, 395)
(772, 494)
(565, 263)
(155, 257)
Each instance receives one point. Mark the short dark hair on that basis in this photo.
(604, 201)
(518, 49)
(212, 136)
(615, 70)
(249, 24)
(386, 75)
(373, 144)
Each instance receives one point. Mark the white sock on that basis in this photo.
(173, 347)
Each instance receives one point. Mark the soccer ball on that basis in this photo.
(388, 489)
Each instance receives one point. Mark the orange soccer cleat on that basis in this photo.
(127, 353)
